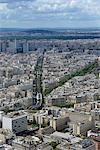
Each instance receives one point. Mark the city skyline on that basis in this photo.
(49, 14)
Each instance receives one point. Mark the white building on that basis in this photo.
(16, 122)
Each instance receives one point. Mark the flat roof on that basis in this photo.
(15, 115)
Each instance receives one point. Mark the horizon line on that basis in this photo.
(49, 27)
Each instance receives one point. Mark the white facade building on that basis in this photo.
(16, 122)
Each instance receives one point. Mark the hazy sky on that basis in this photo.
(49, 13)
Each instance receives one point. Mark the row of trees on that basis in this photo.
(88, 69)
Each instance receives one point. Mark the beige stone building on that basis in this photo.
(81, 128)
(59, 123)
